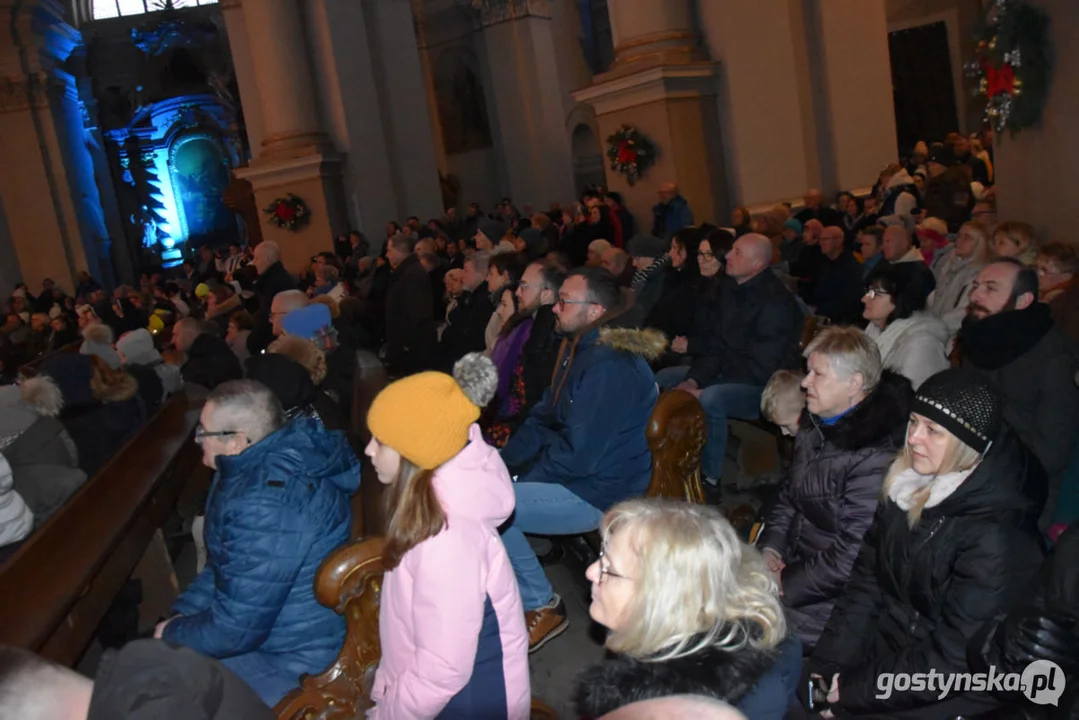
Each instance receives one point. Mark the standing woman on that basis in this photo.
(954, 543)
(451, 623)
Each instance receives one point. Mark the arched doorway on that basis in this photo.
(587, 158)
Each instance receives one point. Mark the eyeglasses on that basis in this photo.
(873, 292)
(202, 433)
(562, 303)
(706, 255)
(605, 570)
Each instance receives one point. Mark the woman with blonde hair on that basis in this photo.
(1016, 239)
(451, 623)
(954, 543)
(691, 609)
(955, 274)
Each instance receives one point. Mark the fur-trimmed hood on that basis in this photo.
(98, 333)
(40, 394)
(646, 342)
(882, 416)
(712, 672)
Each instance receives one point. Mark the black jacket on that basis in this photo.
(1032, 365)
(826, 507)
(611, 684)
(210, 362)
(151, 680)
(839, 290)
(276, 279)
(754, 332)
(467, 327)
(410, 324)
(917, 596)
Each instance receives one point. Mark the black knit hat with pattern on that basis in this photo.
(961, 401)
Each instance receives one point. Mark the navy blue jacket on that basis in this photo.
(590, 436)
(273, 514)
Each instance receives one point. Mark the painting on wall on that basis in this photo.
(462, 104)
(201, 173)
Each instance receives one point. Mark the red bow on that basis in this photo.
(285, 212)
(999, 81)
(626, 154)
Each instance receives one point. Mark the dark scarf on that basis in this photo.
(999, 339)
(641, 276)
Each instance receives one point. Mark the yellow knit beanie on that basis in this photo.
(426, 416)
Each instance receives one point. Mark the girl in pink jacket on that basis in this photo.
(451, 622)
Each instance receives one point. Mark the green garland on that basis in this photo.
(630, 153)
(289, 212)
(1013, 64)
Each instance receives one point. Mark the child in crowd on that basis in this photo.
(783, 401)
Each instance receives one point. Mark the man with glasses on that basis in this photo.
(278, 505)
(583, 447)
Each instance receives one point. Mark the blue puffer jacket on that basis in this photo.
(273, 514)
(587, 432)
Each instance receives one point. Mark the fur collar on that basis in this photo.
(907, 483)
(712, 672)
(881, 417)
(648, 343)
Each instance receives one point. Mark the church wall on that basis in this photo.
(10, 273)
(477, 173)
(1035, 171)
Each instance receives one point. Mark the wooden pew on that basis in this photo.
(367, 505)
(61, 581)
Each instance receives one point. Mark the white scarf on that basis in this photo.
(907, 483)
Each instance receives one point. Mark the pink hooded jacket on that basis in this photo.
(432, 604)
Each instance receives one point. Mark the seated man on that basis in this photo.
(279, 504)
(583, 447)
(207, 359)
(754, 332)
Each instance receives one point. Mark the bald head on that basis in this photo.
(686, 707)
(831, 242)
(750, 256)
(596, 249)
(667, 191)
(811, 232)
(284, 303)
(896, 242)
(813, 198)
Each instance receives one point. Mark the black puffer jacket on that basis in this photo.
(826, 507)
(917, 596)
(210, 362)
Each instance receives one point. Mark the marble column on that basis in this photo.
(663, 84)
(243, 66)
(529, 126)
(296, 156)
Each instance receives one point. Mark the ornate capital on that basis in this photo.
(491, 12)
(24, 92)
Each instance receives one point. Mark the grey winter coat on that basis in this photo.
(827, 505)
(949, 300)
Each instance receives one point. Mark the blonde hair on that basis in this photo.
(1023, 235)
(303, 351)
(413, 510)
(957, 457)
(850, 351)
(985, 238)
(699, 585)
(783, 392)
(331, 303)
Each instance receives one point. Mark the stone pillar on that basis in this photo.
(236, 25)
(529, 124)
(296, 156)
(663, 85)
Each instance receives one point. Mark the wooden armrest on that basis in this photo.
(350, 582)
(676, 433)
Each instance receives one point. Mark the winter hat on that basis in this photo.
(531, 237)
(98, 341)
(492, 229)
(794, 224)
(646, 245)
(155, 324)
(961, 401)
(943, 155)
(138, 348)
(202, 290)
(314, 323)
(72, 373)
(426, 416)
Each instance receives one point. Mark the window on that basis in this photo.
(122, 8)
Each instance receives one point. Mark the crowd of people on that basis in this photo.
(934, 412)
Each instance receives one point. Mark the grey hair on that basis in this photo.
(699, 585)
(850, 351)
(33, 688)
(270, 250)
(328, 273)
(247, 406)
(477, 377)
(480, 260)
(292, 299)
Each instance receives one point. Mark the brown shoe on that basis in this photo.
(546, 624)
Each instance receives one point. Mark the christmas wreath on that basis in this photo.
(289, 212)
(630, 153)
(1012, 64)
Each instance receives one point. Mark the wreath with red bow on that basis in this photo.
(289, 212)
(1012, 64)
(630, 153)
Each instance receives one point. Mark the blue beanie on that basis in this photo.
(794, 224)
(312, 323)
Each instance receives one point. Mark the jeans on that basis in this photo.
(720, 401)
(542, 509)
(270, 682)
